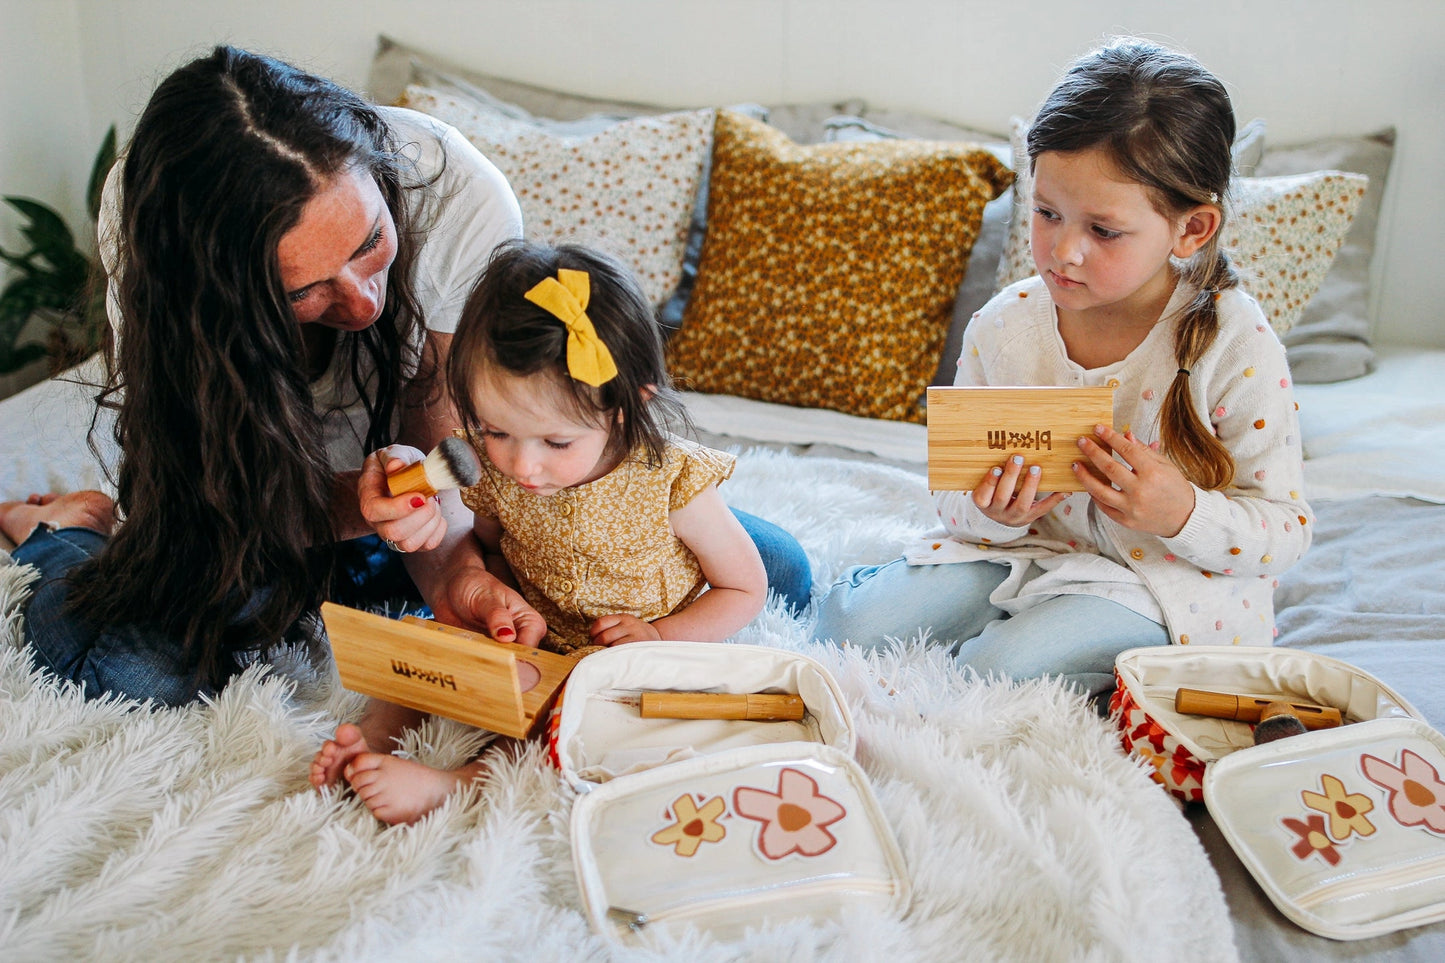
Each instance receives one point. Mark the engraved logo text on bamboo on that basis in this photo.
(440, 679)
(1009, 440)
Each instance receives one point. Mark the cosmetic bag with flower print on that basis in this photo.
(717, 824)
(1179, 747)
(1343, 828)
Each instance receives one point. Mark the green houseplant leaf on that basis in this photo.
(56, 279)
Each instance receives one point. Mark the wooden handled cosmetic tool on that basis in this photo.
(452, 464)
(1247, 708)
(754, 706)
(1277, 721)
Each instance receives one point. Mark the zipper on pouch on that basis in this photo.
(1371, 883)
(637, 920)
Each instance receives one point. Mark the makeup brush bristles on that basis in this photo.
(1276, 721)
(451, 464)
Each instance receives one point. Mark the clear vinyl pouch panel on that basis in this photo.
(1343, 828)
(720, 842)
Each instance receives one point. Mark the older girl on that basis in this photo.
(1189, 513)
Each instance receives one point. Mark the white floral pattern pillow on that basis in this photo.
(1282, 233)
(1017, 262)
(627, 189)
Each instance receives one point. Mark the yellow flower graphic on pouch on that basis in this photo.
(694, 826)
(793, 818)
(1416, 793)
(1345, 810)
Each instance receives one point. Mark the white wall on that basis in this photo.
(1309, 67)
(45, 141)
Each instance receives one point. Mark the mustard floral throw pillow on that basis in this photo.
(828, 273)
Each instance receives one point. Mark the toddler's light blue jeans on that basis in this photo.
(1076, 637)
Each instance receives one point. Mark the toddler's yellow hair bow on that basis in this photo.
(566, 297)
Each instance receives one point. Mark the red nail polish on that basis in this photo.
(505, 633)
(417, 501)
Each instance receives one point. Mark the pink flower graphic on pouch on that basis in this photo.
(794, 818)
(1416, 793)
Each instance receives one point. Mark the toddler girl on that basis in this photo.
(1192, 510)
(612, 528)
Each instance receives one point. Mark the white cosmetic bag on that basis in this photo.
(1343, 828)
(717, 824)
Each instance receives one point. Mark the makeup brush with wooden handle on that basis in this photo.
(1248, 708)
(452, 464)
(1277, 721)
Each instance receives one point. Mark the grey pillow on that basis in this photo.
(1331, 340)
(395, 66)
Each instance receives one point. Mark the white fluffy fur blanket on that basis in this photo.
(128, 833)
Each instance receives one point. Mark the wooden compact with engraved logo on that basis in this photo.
(447, 671)
(971, 430)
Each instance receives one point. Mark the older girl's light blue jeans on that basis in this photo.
(1075, 637)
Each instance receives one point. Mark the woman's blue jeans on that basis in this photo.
(142, 663)
(127, 660)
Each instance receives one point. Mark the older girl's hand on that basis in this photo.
(408, 522)
(1148, 493)
(1008, 494)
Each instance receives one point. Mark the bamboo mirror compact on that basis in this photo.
(501, 686)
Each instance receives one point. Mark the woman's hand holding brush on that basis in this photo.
(398, 491)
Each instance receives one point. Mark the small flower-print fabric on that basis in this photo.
(629, 188)
(829, 271)
(603, 547)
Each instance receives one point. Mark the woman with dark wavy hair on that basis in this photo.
(286, 263)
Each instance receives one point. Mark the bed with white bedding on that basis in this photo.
(1371, 590)
(192, 833)
(111, 851)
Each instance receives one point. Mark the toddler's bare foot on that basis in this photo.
(83, 509)
(398, 790)
(335, 753)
